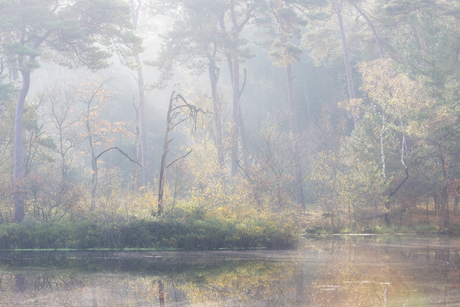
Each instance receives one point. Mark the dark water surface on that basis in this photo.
(324, 271)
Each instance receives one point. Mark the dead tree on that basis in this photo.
(179, 111)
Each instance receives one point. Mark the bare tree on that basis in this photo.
(179, 111)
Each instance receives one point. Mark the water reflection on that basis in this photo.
(337, 271)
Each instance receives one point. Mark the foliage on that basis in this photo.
(190, 228)
(364, 161)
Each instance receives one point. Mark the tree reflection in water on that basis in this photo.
(327, 272)
(388, 272)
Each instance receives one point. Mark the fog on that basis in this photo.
(303, 116)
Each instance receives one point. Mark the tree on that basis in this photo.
(426, 43)
(61, 115)
(346, 56)
(239, 16)
(398, 102)
(195, 42)
(285, 53)
(179, 111)
(140, 112)
(98, 132)
(69, 33)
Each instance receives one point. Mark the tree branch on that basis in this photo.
(179, 158)
(121, 151)
(400, 185)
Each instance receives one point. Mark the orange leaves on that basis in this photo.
(96, 97)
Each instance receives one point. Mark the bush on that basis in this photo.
(196, 231)
(426, 228)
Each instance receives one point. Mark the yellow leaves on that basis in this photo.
(400, 100)
(396, 94)
(353, 106)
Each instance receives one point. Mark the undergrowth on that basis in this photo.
(188, 227)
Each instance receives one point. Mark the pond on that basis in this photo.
(324, 271)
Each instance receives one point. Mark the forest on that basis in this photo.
(226, 123)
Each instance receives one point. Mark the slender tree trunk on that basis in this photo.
(374, 31)
(442, 216)
(236, 116)
(143, 126)
(94, 181)
(346, 57)
(243, 135)
(300, 199)
(93, 162)
(93, 159)
(234, 67)
(427, 213)
(162, 180)
(309, 113)
(137, 173)
(18, 148)
(140, 86)
(214, 77)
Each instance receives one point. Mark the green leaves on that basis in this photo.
(82, 33)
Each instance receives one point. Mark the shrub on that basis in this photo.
(197, 232)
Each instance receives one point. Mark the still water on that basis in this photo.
(324, 271)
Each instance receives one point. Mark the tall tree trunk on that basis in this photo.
(94, 181)
(162, 180)
(143, 126)
(214, 77)
(295, 139)
(18, 149)
(243, 134)
(442, 216)
(309, 113)
(374, 31)
(427, 213)
(235, 87)
(93, 160)
(236, 116)
(346, 57)
(234, 67)
(140, 86)
(137, 173)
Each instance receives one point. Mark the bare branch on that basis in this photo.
(179, 158)
(121, 151)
